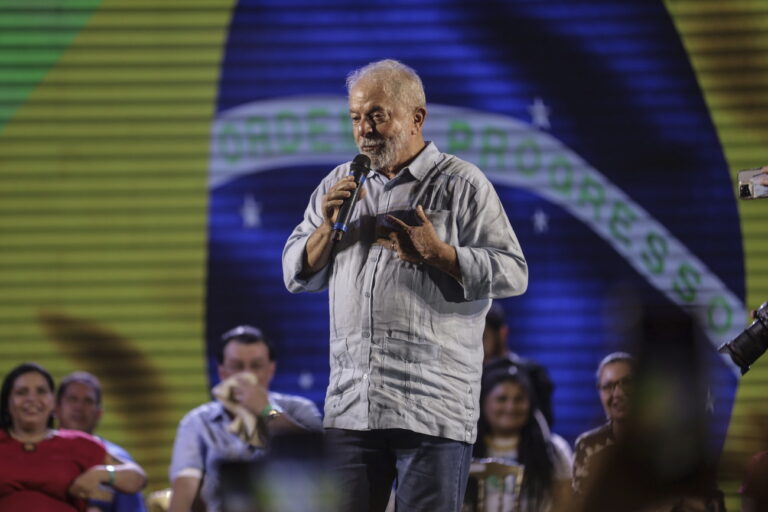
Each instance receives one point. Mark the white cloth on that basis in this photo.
(244, 424)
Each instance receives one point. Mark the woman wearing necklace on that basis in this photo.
(46, 469)
(512, 430)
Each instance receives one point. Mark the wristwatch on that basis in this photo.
(269, 413)
(111, 473)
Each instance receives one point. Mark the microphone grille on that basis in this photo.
(361, 161)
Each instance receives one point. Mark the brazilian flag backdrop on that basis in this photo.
(155, 154)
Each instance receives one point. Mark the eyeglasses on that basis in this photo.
(608, 387)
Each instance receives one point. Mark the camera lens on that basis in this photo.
(748, 346)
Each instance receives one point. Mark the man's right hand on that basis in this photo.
(251, 395)
(318, 249)
(335, 197)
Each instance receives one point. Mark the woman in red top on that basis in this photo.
(46, 469)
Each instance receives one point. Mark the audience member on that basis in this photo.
(42, 469)
(496, 354)
(614, 385)
(754, 488)
(512, 429)
(78, 407)
(204, 437)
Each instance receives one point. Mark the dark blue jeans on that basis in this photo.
(430, 473)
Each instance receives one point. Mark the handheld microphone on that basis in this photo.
(360, 168)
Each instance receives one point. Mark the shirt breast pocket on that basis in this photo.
(440, 220)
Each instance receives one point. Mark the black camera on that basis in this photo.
(748, 346)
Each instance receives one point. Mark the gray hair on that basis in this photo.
(614, 357)
(398, 81)
(86, 378)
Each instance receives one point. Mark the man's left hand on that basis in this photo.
(420, 244)
(415, 244)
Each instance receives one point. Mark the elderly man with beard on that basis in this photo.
(428, 246)
(614, 385)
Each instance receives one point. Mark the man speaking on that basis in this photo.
(410, 278)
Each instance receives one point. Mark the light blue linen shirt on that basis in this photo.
(202, 441)
(406, 339)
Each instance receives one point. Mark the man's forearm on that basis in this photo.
(446, 259)
(184, 489)
(317, 252)
(129, 478)
(284, 424)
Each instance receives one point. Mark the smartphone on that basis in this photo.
(751, 183)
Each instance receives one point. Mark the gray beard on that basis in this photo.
(385, 156)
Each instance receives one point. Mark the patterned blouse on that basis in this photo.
(591, 448)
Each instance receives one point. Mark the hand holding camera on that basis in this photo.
(748, 346)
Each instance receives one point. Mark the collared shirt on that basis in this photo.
(406, 339)
(202, 441)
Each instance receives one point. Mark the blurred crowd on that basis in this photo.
(51, 458)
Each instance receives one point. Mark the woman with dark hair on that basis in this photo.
(512, 429)
(46, 469)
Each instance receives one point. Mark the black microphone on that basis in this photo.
(360, 168)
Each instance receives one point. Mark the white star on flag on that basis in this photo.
(539, 113)
(540, 221)
(251, 212)
(306, 380)
(710, 402)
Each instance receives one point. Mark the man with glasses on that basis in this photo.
(614, 383)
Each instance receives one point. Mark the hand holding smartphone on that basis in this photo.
(753, 183)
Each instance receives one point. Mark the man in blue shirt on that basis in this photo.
(78, 407)
(204, 439)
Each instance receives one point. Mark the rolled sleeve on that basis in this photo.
(302, 411)
(188, 457)
(293, 264)
(293, 253)
(491, 261)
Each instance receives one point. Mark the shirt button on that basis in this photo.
(365, 376)
(366, 334)
(367, 294)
